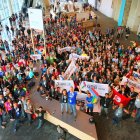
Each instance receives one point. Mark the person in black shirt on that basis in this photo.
(132, 95)
(64, 101)
(40, 116)
(105, 102)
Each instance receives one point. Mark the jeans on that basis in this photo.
(64, 105)
(105, 110)
(28, 78)
(116, 120)
(10, 114)
(137, 115)
(23, 113)
(40, 122)
(73, 109)
(29, 118)
(89, 110)
(1, 120)
(16, 122)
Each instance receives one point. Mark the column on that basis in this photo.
(116, 9)
(121, 14)
(10, 6)
(126, 12)
(134, 16)
(137, 18)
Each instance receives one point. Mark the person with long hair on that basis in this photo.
(64, 101)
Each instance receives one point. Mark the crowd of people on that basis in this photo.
(17, 72)
(108, 62)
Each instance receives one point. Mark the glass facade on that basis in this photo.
(4, 9)
(7, 7)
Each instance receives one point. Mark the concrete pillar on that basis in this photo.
(134, 16)
(131, 17)
(126, 12)
(10, 6)
(137, 18)
(116, 9)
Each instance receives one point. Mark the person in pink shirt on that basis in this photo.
(8, 107)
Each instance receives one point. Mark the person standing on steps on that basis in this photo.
(72, 101)
(40, 116)
(64, 101)
(17, 114)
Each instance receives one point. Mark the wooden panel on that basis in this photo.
(69, 14)
(88, 23)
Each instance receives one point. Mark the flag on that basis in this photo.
(119, 98)
(94, 93)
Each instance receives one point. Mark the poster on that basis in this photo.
(35, 19)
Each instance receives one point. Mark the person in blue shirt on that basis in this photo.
(89, 104)
(72, 101)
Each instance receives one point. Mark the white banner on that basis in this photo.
(76, 56)
(68, 49)
(36, 56)
(102, 89)
(35, 18)
(70, 70)
(136, 75)
(131, 83)
(64, 84)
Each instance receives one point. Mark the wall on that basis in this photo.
(104, 7)
(92, 2)
(131, 16)
(111, 8)
(138, 29)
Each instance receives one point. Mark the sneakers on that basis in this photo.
(15, 130)
(12, 120)
(38, 128)
(3, 123)
(3, 127)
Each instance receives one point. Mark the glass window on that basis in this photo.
(4, 9)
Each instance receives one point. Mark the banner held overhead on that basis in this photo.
(35, 19)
